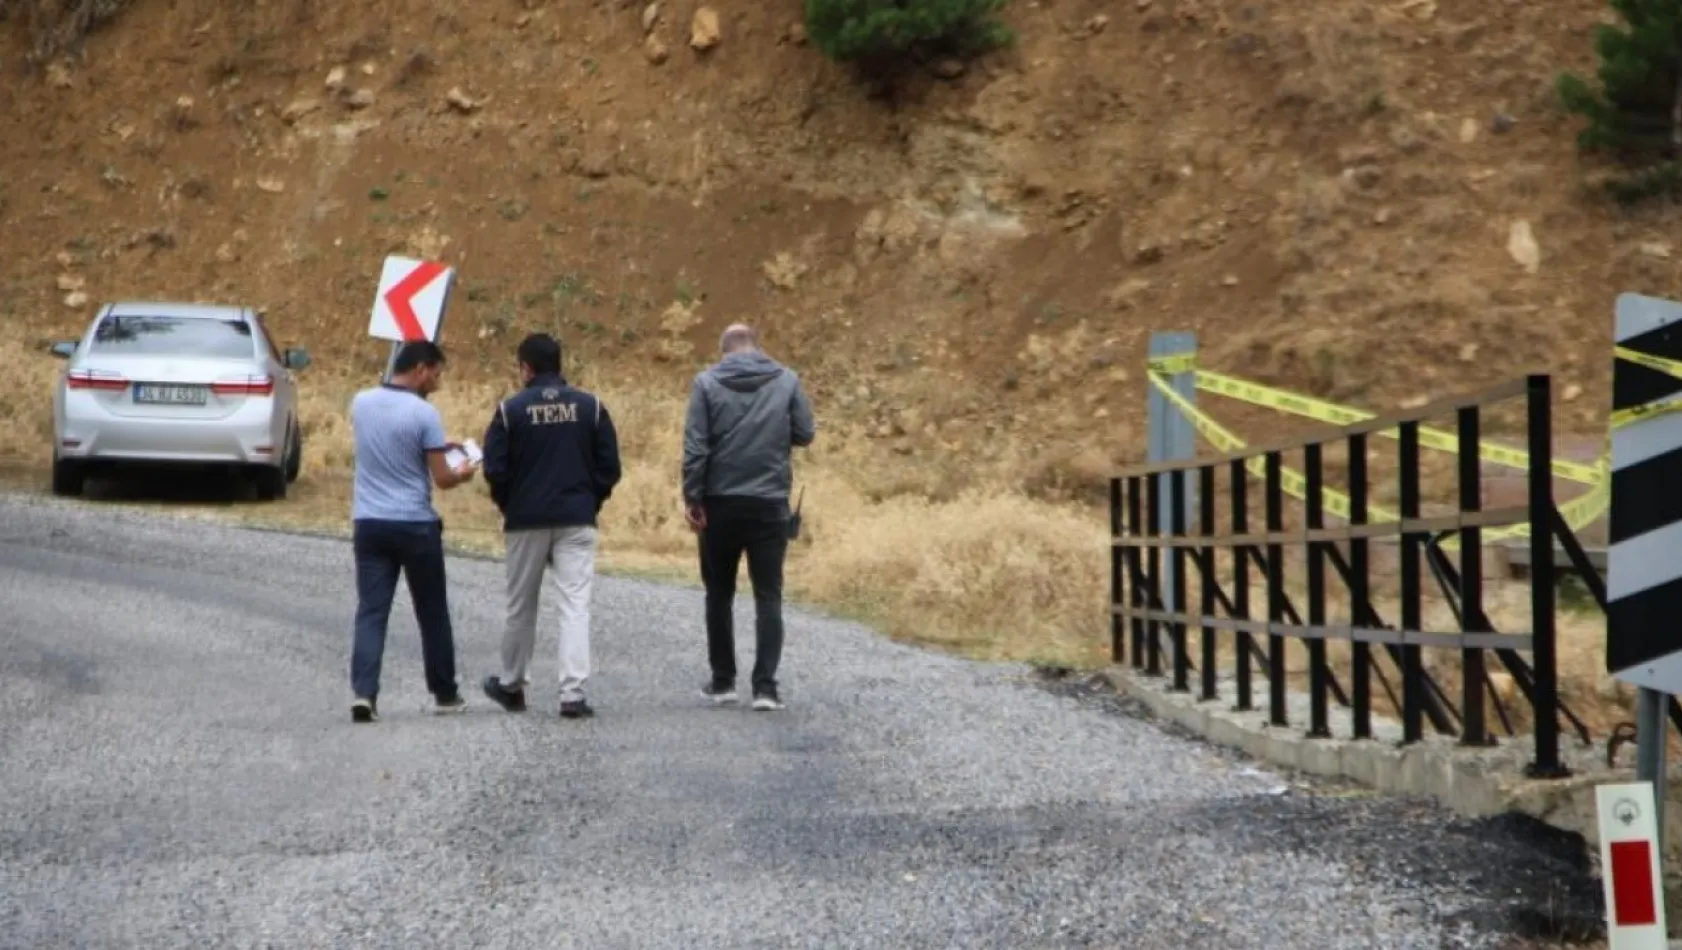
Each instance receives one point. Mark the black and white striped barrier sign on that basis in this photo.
(1644, 561)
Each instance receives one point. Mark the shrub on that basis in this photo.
(58, 26)
(884, 31)
(1660, 180)
(1632, 110)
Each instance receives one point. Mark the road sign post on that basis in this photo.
(1171, 437)
(410, 303)
(1650, 736)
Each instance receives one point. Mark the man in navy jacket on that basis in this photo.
(551, 460)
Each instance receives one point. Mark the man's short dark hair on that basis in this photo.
(417, 353)
(541, 352)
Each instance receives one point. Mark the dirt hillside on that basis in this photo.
(1368, 202)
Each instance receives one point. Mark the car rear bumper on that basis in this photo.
(88, 433)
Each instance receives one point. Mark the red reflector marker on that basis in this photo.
(1632, 884)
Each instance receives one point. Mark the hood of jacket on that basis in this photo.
(746, 372)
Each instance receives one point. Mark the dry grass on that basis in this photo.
(25, 405)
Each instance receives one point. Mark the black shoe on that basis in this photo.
(765, 700)
(450, 704)
(513, 700)
(720, 693)
(363, 711)
(576, 709)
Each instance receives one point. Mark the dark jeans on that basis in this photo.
(757, 527)
(416, 549)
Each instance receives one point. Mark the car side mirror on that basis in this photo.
(64, 350)
(297, 359)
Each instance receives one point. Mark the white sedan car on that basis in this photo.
(193, 384)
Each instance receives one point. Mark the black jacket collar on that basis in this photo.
(546, 379)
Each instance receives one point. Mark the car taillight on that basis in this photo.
(95, 379)
(249, 386)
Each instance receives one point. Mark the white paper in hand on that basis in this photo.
(469, 452)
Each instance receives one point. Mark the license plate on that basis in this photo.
(171, 395)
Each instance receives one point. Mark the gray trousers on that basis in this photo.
(571, 553)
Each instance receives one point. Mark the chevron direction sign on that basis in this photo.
(409, 303)
(1644, 559)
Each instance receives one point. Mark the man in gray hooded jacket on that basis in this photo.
(746, 413)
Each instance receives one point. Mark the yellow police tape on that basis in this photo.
(1322, 411)
(1624, 417)
(1172, 364)
(1292, 481)
(1319, 409)
(1577, 513)
(1671, 367)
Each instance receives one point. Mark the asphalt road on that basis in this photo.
(178, 769)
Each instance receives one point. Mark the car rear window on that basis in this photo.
(174, 336)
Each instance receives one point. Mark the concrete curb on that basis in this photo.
(1472, 781)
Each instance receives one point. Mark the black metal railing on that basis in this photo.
(1142, 611)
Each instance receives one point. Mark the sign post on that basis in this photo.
(1171, 437)
(409, 303)
(1629, 867)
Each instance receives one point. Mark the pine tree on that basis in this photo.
(1636, 113)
